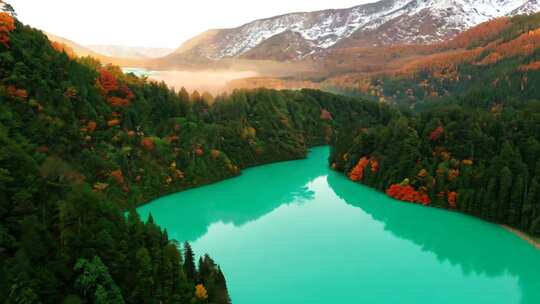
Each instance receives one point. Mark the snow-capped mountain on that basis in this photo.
(385, 22)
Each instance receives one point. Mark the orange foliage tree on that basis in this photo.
(486, 30)
(215, 153)
(91, 126)
(15, 92)
(452, 199)
(113, 122)
(200, 292)
(468, 162)
(526, 44)
(7, 25)
(533, 66)
(357, 173)
(118, 177)
(63, 48)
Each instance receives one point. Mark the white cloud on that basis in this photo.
(159, 23)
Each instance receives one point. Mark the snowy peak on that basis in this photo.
(531, 7)
(385, 22)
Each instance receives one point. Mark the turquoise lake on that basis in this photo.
(298, 232)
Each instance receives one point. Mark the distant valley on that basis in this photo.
(130, 52)
(335, 49)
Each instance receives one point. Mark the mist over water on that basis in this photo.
(212, 81)
(298, 232)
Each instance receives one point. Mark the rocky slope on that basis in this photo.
(387, 22)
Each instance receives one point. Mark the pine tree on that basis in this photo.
(222, 293)
(505, 186)
(528, 210)
(189, 263)
(490, 200)
(516, 202)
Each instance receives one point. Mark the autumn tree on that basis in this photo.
(201, 293)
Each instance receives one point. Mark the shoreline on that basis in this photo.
(218, 180)
(535, 243)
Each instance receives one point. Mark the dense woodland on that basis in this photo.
(83, 143)
(471, 142)
(469, 154)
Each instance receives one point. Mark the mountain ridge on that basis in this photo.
(400, 21)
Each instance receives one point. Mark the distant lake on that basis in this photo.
(213, 81)
(140, 72)
(298, 232)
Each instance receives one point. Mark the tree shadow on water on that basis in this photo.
(474, 245)
(187, 215)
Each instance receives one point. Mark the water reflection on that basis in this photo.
(237, 200)
(298, 232)
(472, 244)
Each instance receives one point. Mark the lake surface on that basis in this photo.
(298, 232)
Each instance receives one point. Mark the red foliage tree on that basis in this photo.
(452, 199)
(198, 151)
(118, 94)
(453, 174)
(374, 166)
(408, 194)
(148, 144)
(326, 115)
(107, 82)
(436, 134)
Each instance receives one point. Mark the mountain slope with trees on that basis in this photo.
(83, 142)
(467, 155)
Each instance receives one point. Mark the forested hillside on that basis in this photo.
(472, 142)
(476, 158)
(499, 59)
(82, 142)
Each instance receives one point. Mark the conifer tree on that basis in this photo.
(189, 263)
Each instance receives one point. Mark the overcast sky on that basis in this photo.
(157, 23)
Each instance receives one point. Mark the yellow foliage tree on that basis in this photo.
(200, 292)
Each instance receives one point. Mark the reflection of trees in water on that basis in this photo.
(467, 242)
(264, 189)
(239, 200)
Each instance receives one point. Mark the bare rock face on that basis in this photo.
(387, 22)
